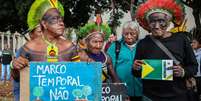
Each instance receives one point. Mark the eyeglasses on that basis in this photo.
(53, 19)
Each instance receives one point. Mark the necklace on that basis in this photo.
(52, 51)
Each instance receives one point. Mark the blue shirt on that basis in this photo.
(198, 57)
(124, 66)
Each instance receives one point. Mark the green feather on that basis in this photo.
(37, 11)
(90, 27)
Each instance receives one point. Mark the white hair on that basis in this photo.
(132, 25)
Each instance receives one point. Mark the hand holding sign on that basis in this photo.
(20, 63)
(138, 64)
(178, 71)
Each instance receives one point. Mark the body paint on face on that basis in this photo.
(95, 43)
(158, 23)
(53, 19)
(53, 23)
(161, 19)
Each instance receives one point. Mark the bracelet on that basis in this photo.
(11, 65)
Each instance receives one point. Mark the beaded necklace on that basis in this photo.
(52, 51)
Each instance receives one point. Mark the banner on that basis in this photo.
(65, 81)
(157, 69)
(114, 92)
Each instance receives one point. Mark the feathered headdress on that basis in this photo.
(39, 8)
(171, 7)
(97, 26)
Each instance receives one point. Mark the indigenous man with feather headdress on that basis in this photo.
(155, 16)
(50, 47)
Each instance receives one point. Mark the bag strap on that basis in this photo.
(167, 52)
(117, 51)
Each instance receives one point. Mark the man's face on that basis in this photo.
(95, 43)
(130, 35)
(158, 23)
(54, 22)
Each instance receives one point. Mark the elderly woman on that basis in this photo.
(94, 36)
(123, 59)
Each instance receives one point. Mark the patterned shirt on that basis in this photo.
(34, 55)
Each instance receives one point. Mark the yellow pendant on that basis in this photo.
(52, 53)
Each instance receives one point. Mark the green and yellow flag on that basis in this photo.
(157, 69)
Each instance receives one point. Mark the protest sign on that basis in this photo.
(114, 92)
(65, 81)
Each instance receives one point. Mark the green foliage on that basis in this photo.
(77, 12)
(13, 13)
(114, 21)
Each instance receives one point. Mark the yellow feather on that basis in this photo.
(53, 3)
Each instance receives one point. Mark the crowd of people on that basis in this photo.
(122, 59)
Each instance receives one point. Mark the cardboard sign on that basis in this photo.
(24, 84)
(114, 92)
(157, 69)
(64, 81)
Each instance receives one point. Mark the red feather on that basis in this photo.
(98, 19)
(171, 6)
